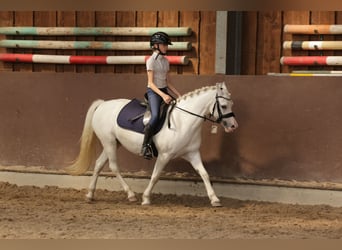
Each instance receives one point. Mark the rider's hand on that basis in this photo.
(167, 99)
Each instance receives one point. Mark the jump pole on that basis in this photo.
(311, 60)
(313, 29)
(313, 45)
(317, 72)
(96, 45)
(95, 31)
(64, 59)
(304, 74)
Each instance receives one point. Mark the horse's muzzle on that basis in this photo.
(229, 128)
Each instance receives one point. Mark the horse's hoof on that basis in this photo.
(132, 199)
(146, 202)
(216, 204)
(89, 199)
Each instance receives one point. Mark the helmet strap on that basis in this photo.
(161, 53)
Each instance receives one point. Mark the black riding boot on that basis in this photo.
(146, 149)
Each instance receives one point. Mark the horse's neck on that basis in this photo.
(198, 103)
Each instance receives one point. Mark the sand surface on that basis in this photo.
(28, 212)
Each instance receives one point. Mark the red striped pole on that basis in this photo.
(64, 59)
(311, 60)
(16, 58)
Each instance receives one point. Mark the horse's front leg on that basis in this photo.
(158, 167)
(195, 159)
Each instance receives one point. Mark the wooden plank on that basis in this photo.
(295, 17)
(338, 37)
(85, 19)
(22, 18)
(322, 17)
(249, 37)
(144, 19)
(269, 42)
(6, 19)
(66, 19)
(125, 19)
(169, 19)
(45, 19)
(207, 42)
(191, 19)
(105, 19)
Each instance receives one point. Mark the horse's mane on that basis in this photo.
(196, 92)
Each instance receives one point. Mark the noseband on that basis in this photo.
(216, 106)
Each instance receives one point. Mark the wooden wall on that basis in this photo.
(201, 22)
(284, 133)
(261, 40)
(263, 37)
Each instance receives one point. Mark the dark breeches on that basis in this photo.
(155, 101)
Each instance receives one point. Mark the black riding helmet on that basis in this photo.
(160, 38)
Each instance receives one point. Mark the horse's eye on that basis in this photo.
(224, 106)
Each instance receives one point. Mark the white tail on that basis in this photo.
(88, 143)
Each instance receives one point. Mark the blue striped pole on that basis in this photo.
(46, 44)
(95, 31)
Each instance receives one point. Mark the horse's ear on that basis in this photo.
(219, 85)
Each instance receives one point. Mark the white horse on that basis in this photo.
(183, 139)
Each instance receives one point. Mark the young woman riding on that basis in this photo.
(158, 86)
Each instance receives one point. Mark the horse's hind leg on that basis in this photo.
(100, 162)
(110, 150)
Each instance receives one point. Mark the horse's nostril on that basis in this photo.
(232, 126)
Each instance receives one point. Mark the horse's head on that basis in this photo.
(222, 109)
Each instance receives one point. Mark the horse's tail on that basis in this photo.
(87, 145)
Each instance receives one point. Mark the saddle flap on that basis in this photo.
(132, 114)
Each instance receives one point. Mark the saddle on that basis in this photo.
(135, 114)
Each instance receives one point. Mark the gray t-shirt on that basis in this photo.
(160, 66)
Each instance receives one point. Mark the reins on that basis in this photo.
(205, 118)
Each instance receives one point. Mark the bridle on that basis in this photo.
(219, 111)
(216, 106)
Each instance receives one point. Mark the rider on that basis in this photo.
(158, 85)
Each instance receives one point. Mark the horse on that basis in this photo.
(181, 139)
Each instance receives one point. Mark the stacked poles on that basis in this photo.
(62, 59)
(89, 45)
(312, 45)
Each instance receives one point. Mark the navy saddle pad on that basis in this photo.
(131, 117)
